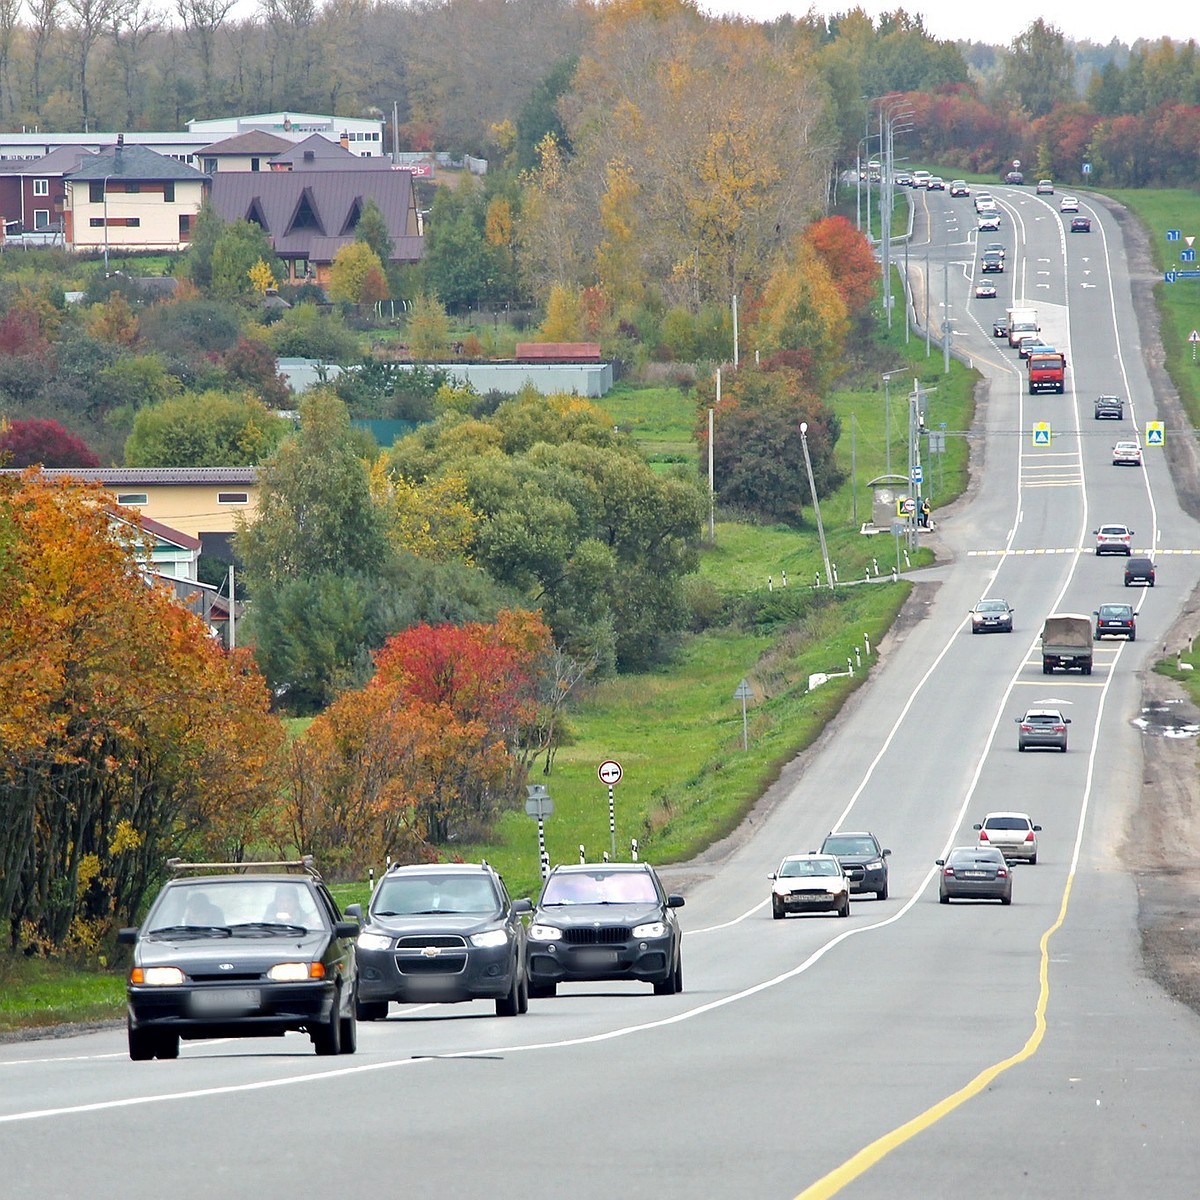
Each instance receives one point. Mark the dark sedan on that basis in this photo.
(241, 955)
(1116, 620)
(443, 933)
(863, 859)
(1139, 570)
(1081, 225)
(975, 873)
(992, 616)
(610, 921)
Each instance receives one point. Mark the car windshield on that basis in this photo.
(850, 845)
(793, 868)
(414, 895)
(600, 887)
(238, 906)
(991, 606)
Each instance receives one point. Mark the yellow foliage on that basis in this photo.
(356, 275)
(498, 224)
(125, 838)
(564, 316)
(433, 520)
(261, 276)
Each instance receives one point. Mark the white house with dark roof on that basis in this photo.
(130, 198)
(251, 151)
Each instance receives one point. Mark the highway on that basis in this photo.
(914, 1050)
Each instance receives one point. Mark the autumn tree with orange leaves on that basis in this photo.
(126, 733)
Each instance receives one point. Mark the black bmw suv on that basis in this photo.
(442, 932)
(254, 950)
(605, 921)
(863, 859)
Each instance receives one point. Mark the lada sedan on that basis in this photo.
(1127, 454)
(1012, 833)
(809, 883)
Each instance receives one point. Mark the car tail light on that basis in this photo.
(1029, 836)
(983, 837)
(948, 871)
(1001, 872)
(1060, 729)
(1026, 728)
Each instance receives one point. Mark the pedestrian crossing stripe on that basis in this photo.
(1069, 550)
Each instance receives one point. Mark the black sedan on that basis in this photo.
(609, 921)
(1081, 224)
(863, 859)
(975, 873)
(992, 616)
(443, 933)
(1116, 620)
(1139, 570)
(241, 955)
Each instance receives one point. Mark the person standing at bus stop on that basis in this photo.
(925, 512)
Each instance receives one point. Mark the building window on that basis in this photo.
(41, 187)
(132, 189)
(41, 218)
(254, 164)
(233, 497)
(185, 227)
(96, 192)
(96, 222)
(132, 498)
(210, 166)
(168, 193)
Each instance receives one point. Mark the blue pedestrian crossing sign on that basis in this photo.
(1155, 434)
(1041, 433)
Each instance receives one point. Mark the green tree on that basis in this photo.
(198, 263)
(355, 274)
(428, 328)
(372, 229)
(1040, 71)
(457, 262)
(239, 247)
(306, 332)
(209, 430)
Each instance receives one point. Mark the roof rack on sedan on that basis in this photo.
(306, 863)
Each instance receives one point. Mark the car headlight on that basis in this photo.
(544, 933)
(877, 865)
(490, 937)
(374, 941)
(157, 976)
(293, 972)
(652, 929)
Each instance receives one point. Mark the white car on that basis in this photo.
(1114, 539)
(1012, 833)
(921, 178)
(1127, 454)
(1045, 187)
(984, 200)
(1069, 204)
(809, 883)
(989, 221)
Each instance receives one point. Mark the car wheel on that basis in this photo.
(327, 1036)
(348, 1033)
(776, 912)
(145, 1044)
(1005, 899)
(1133, 637)
(1033, 860)
(844, 911)
(882, 894)
(371, 1010)
(510, 1005)
(1064, 747)
(1021, 747)
(1087, 670)
(542, 991)
(944, 899)
(523, 1005)
(1045, 668)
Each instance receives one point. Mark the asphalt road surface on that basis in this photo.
(915, 1050)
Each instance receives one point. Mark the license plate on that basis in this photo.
(596, 958)
(225, 1002)
(806, 899)
(975, 875)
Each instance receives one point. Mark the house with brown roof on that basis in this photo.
(317, 153)
(310, 214)
(131, 198)
(250, 151)
(33, 192)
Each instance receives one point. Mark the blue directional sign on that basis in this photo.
(1087, 168)
(1174, 235)
(917, 474)
(1187, 256)
(1172, 275)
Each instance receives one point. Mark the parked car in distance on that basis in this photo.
(1114, 539)
(442, 933)
(1042, 728)
(1116, 620)
(252, 950)
(974, 873)
(994, 615)
(1127, 454)
(1139, 570)
(958, 187)
(1016, 178)
(863, 859)
(605, 921)
(1045, 187)
(809, 883)
(988, 220)
(1081, 224)
(1109, 408)
(985, 291)
(1069, 204)
(1012, 833)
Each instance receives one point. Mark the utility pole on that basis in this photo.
(812, 487)
(946, 317)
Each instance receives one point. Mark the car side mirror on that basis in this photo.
(127, 937)
(886, 853)
(1037, 829)
(345, 929)
(976, 826)
(675, 901)
(1066, 720)
(523, 905)
(1095, 612)
(939, 862)
(355, 911)
(771, 876)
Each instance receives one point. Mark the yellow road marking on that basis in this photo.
(866, 1158)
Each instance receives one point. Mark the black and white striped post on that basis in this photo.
(610, 775)
(539, 806)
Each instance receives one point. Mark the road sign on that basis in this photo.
(743, 692)
(906, 507)
(538, 804)
(1173, 235)
(1155, 433)
(1194, 336)
(609, 772)
(917, 474)
(1041, 433)
(1187, 256)
(1087, 168)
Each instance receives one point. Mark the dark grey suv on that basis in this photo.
(443, 933)
(863, 859)
(609, 921)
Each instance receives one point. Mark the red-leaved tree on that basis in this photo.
(44, 443)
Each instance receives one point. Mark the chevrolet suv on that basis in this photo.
(863, 859)
(442, 933)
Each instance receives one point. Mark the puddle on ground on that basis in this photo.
(1164, 719)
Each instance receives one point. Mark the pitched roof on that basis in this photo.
(146, 476)
(134, 162)
(314, 213)
(318, 153)
(256, 141)
(59, 161)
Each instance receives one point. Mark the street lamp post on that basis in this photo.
(812, 487)
(104, 199)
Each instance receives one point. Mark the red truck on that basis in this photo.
(1047, 371)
